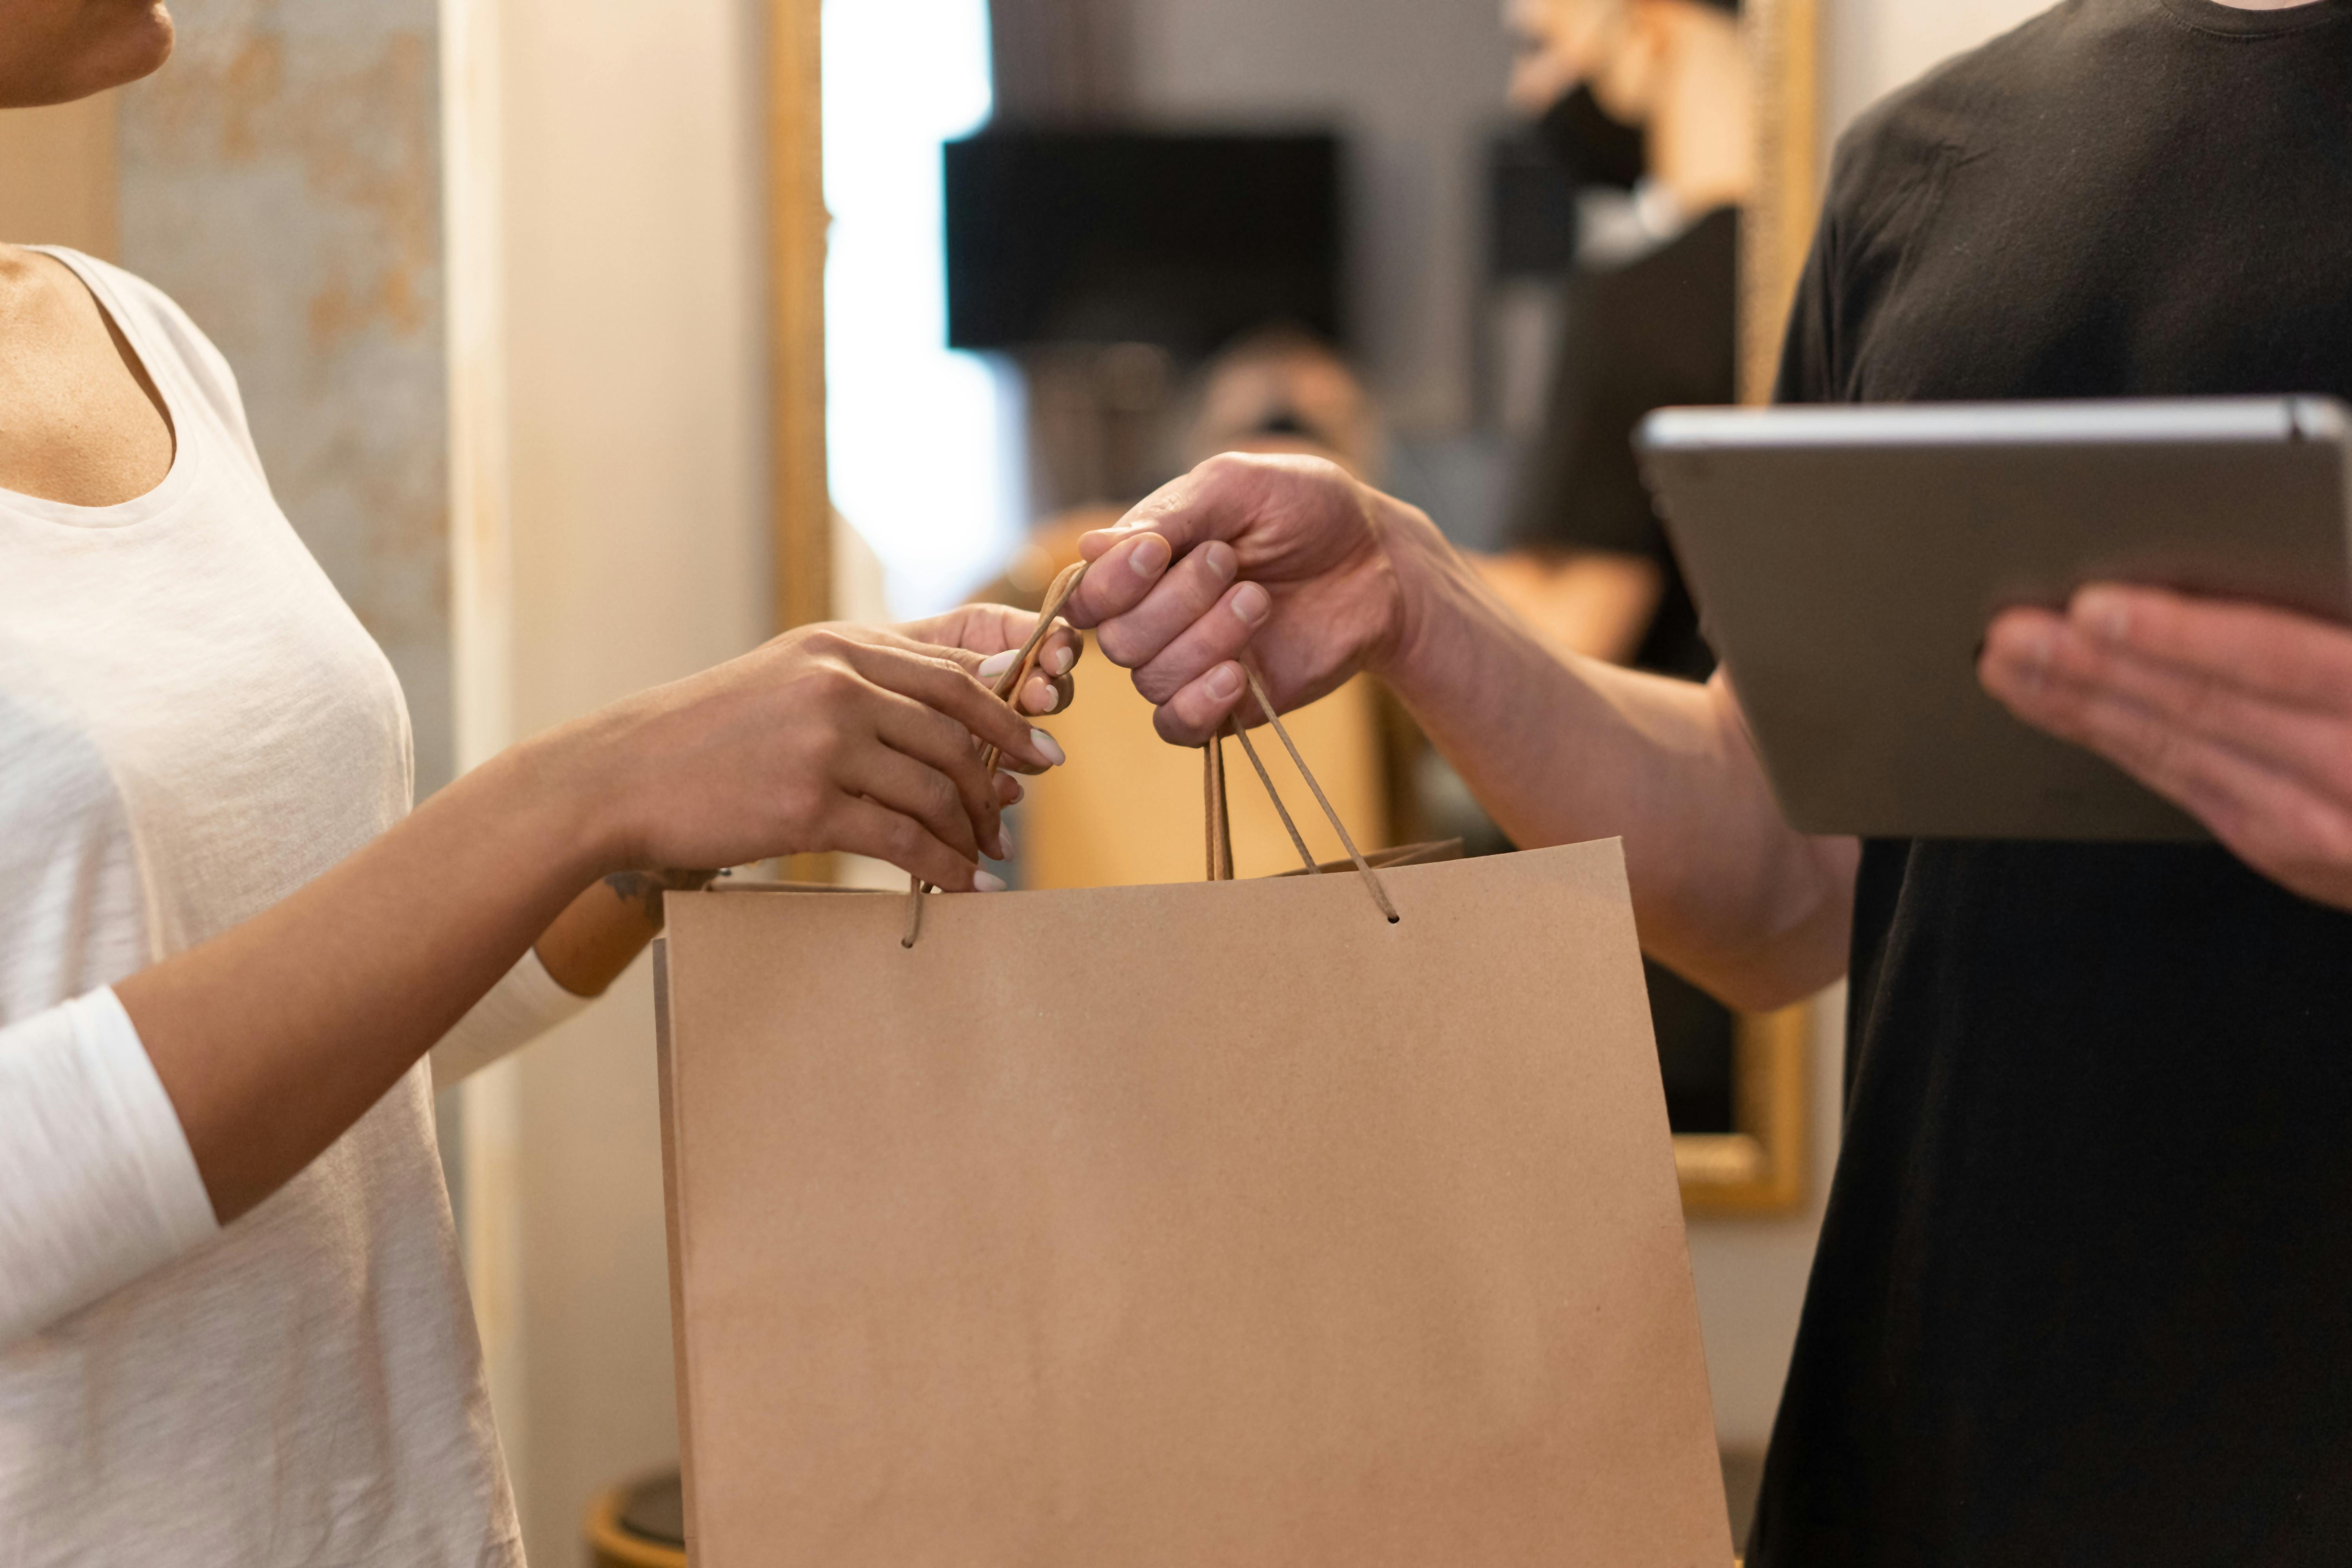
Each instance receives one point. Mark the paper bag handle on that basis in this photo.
(1220, 830)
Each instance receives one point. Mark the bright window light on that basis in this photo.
(919, 440)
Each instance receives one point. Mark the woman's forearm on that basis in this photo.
(276, 1036)
(1559, 748)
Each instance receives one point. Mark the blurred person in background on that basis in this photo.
(1652, 96)
(233, 1330)
(1655, 93)
(1279, 388)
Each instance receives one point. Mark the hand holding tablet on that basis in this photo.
(1852, 565)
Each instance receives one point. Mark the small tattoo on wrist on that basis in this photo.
(644, 889)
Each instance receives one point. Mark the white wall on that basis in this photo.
(279, 179)
(635, 368)
(1875, 45)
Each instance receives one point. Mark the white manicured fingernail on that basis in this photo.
(996, 664)
(1062, 658)
(1004, 843)
(1048, 747)
(983, 882)
(1014, 779)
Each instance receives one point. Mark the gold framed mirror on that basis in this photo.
(1760, 1165)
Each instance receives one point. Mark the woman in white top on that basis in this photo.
(232, 1326)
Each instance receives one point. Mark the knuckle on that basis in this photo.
(902, 837)
(1320, 469)
(824, 736)
(2202, 701)
(807, 802)
(1120, 643)
(2327, 834)
(943, 800)
(1157, 684)
(837, 687)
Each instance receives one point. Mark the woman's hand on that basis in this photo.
(1287, 556)
(830, 737)
(2239, 714)
(276, 1035)
(997, 632)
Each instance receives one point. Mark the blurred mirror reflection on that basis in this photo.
(1457, 247)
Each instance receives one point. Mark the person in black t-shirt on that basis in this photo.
(1663, 88)
(2085, 1288)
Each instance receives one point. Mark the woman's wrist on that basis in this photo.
(561, 795)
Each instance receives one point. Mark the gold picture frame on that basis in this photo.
(1761, 1167)
(800, 498)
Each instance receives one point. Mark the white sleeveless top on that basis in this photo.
(193, 724)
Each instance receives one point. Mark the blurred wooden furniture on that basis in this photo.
(639, 1524)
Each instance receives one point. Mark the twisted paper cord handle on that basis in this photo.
(1057, 599)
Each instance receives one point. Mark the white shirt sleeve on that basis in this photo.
(517, 1010)
(96, 1182)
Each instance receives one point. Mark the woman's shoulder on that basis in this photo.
(162, 331)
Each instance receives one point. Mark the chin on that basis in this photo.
(102, 44)
(136, 46)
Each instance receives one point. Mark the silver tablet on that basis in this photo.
(1846, 560)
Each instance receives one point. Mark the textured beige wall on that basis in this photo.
(57, 175)
(636, 380)
(280, 178)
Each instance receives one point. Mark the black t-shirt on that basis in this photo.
(1658, 330)
(2084, 1290)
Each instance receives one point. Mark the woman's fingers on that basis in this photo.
(944, 747)
(889, 777)
(866, 828)
(990, 631)
(1044, 692)
(944, 684)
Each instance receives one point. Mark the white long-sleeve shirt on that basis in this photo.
(193, 725)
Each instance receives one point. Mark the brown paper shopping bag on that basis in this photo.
(1209, 1226)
